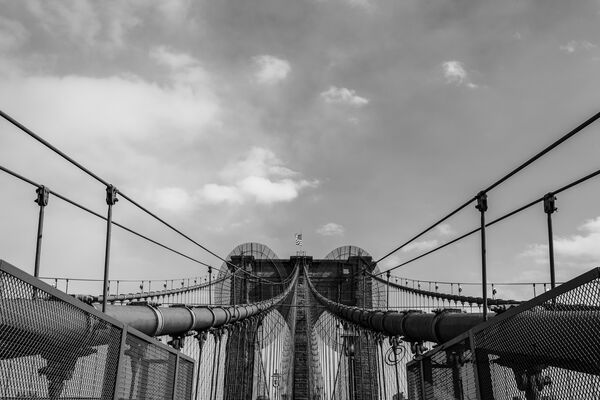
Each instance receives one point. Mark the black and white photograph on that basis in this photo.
(299, 199)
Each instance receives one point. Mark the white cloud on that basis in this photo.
(574, 46)
(266, 191)
(183, 70)
(331, 229)
(335, 95)
(572, 251)
(270, 69)
(423, 245)
(215, 194)
(260, 177)
(119, 107)
(172, 59)
(172, 198)
(444, 229)
(455, 73)
(258, 162)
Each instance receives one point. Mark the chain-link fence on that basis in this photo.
(55, 347)
(544, 349)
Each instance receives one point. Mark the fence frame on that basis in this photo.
(468, 338)
(125, 330)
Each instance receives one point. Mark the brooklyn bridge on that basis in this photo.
(258, 326)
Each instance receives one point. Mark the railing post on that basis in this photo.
(394, 343)
(175, 376)
(120, 363)
(209, 286)
(42, 200)
(364, 288)
(549, 208)
(482, 206)
(387, 295)
(111, 199)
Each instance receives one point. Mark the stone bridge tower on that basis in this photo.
(340, 277)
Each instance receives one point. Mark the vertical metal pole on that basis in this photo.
(364, 289)
(549, 208)
(388, 289)
(351, 380)
(482, 206)
(175, 376)
(201, 337)
(120, 363)
(394, 343)
(42, 200)
(233, 287)
(111, 199)
(209, 285)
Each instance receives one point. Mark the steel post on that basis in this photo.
(549, 208)
(482, 206)
(394, 343)
(42, 200)
(209, 285)
(121, 361)
(111, 199)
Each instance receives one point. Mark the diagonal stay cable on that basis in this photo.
(105, 183)
(516, 170)
(51, 146)
(461, 207)
(495, 221)
(156, 217)
(81, 207)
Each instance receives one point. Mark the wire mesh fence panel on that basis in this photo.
(185, 378)
(51, 348)
(414, 379)
(549, 350)
(449, 375)
(545, 349)
(148, 371)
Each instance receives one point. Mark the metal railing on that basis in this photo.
(546, 348)
(54, 346)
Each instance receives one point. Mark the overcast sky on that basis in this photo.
(351, 121)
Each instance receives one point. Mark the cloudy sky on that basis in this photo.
(351, 121)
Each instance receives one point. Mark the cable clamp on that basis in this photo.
(43, 194)
(550, 203)
(481, 201)
(111, 195)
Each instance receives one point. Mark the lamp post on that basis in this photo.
(275, 379)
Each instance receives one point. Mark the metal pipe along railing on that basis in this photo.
(414, 326)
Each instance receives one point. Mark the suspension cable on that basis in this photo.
(72, 161)
(531, 160)
(102, 217)
(503, 217)
(43, 141)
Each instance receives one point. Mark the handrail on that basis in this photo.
(413, 326)
(457, 298)
(176, 320)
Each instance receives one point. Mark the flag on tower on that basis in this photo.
(298, 239)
